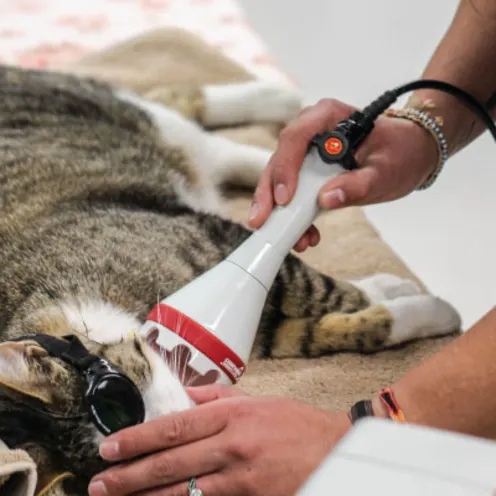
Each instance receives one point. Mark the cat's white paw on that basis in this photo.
(253, 101)
(442, 317)
(421, 316)
(272, 102)
(381, 287)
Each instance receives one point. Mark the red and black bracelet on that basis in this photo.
(389, 401)
(363, 408)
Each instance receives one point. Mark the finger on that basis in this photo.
(293, 143)
(314, 236)
(357, 187)
(305, 110)
(161, 469)
(302, 244)
(216, 484)
(279, 179)
(166, 432)
(310, 238)
(263, 202)
(212, 392)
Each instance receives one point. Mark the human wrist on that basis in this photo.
(463, 58)
(335, 426)
(459, 124)
(378, 408)
(384, 405)
(431, 135)
(345, 423)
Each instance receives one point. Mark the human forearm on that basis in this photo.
(465, 57)
(455, 389)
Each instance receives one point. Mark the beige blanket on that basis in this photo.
(350, 247)
(17, 472)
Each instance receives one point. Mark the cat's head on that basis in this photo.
(33, 375)
(42, 399)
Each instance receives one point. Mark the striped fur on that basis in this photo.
(110, 201)
(89, 209)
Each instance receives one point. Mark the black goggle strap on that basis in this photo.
(69, 349)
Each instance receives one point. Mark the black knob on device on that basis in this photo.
(334, 146)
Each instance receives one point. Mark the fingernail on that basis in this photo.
(97, 488)
(281, 194)
(334, 198)
(314, 240)
(301, 245)
(109, 450)
(255, 209)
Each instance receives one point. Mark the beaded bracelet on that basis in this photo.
(433, 127)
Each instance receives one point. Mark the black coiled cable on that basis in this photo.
(352, 131)
(378, 106)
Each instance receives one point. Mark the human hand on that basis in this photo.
(233, 443)
(394, 160)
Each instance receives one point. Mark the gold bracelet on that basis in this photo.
(433, 127)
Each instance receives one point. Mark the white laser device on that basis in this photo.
(216, 316)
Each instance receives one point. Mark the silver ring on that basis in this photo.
(193, 490)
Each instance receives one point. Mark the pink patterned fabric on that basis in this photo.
(40, 33)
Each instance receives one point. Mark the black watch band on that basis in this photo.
(361, 409)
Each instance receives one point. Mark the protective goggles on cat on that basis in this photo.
(113, 400)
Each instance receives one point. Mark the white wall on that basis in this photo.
(356, 49)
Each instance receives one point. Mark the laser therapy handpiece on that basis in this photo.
(217, 314)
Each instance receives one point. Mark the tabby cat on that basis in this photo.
(110, 202)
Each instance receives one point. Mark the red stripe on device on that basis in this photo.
(204, 341)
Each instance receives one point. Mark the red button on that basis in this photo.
(333, 146)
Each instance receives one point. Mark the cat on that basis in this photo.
(109, 203)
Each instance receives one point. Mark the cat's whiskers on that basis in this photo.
(189, 382)
(185, 370)
(85, 326)
(176, 363)
(183, 374)
(61, 308)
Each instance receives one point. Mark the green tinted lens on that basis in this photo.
(117, 404)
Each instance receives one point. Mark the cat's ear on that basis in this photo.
(22, 370)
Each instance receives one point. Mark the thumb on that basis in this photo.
(351, 188)
(293, 141)
(212, 392)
